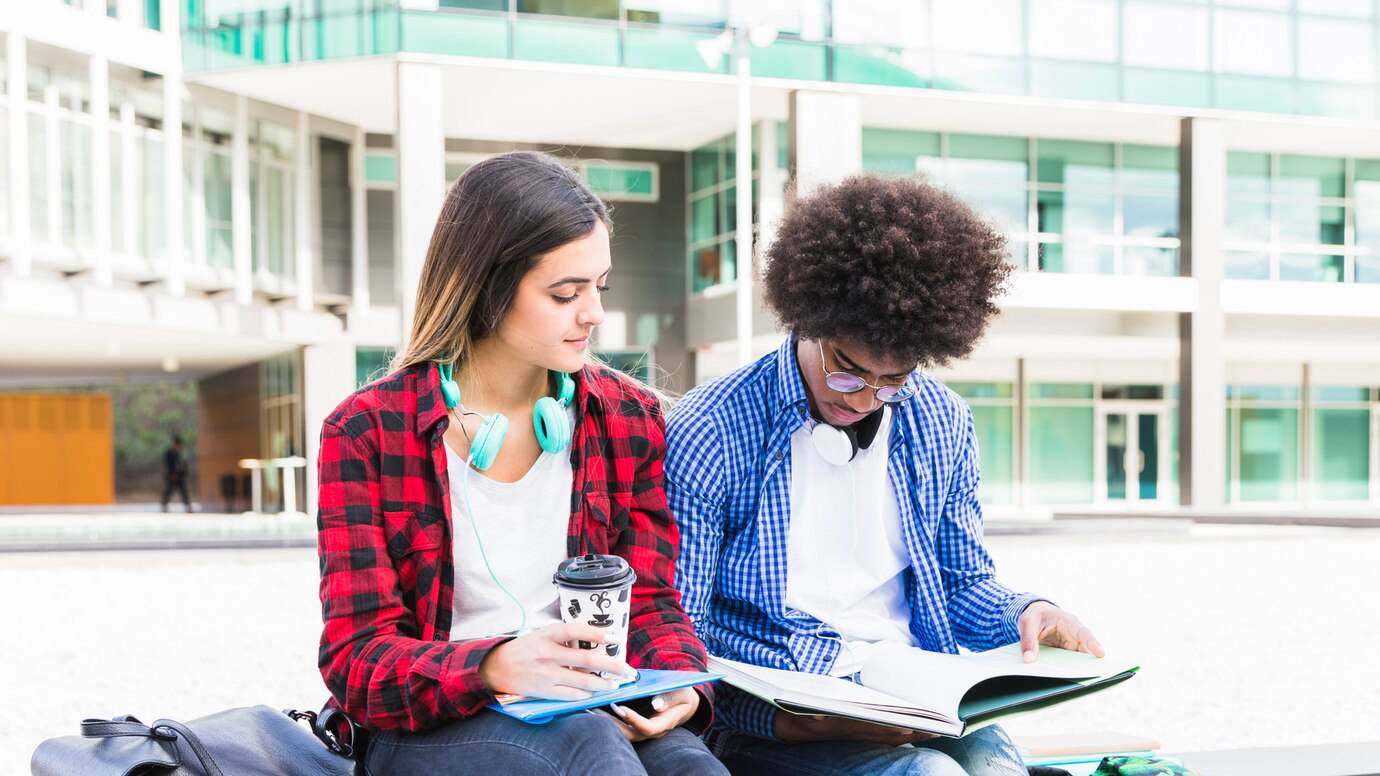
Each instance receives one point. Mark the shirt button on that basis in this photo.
(801, 411)
(779, 455)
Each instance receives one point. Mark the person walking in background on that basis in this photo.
(175, 474)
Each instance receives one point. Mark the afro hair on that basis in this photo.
(894, 265)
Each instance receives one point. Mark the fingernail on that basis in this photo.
(618, 710)
(1029, 656)
(659, 703)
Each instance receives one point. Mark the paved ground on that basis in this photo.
(1249, 636)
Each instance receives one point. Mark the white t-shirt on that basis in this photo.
(523, 525)
(846, 558)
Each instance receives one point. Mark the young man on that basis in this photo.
(827, 494)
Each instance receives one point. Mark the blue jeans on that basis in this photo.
(986, 752)
(492, 744)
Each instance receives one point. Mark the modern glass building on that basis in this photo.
(244, 189)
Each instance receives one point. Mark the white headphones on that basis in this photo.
(840, 446)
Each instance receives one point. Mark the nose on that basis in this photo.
(593, 313)
(862, 402)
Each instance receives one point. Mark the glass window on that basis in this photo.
(152, 235)
(612, 180)
(1368, 269)
(1311, 266)
(1350, 393)
(1248, 220)
(1073, 29)
(1312, 176)
(381, 167)
(1310, 222)
(704, 218)
(1060, 390)
(1336, 50)
(591, 9)
(1076, 256)
(1336, 7)
(879, 22)
(1061, 454)
(704, 167)
(1074, 163)
(1153, 262)
(1341, 454)
(1149, 167)
(1076, 213)
(982, 390)
(978, 26)
(1265, 392)
(1150, 215)
(1248, 173)
(75, 179)
(1247, 265)
(38, 178)
(1268, 454)
(1252, 43)
(896, 150)
(680, 13)
(216, 179)
(1168, 36)
(985, 161)
(1005, 208)
(994, 427)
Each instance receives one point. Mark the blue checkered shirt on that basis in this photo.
(728, 481)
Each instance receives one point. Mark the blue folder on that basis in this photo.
(649, 682)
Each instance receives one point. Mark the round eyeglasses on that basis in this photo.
(844, 382)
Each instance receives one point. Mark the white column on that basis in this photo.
(101, 227)
(825, 137)
(421, 175)
(198, 224)
(771, 185)
(240, 240)
(303, 261)
(53, 163)
(173, 202)
(744, 272)
(1202, 373)
(129, 182)
(328, 376)
(17, 88)
(359, 225)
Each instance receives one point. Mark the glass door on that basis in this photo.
(1131, 460)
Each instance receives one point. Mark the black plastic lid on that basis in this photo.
(594, 572)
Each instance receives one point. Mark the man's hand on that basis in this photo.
(1044, 623)
(673, 709)
(800, 728)
(540, 665)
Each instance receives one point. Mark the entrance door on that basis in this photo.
(1131, 459)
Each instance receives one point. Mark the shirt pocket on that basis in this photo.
(406, 533)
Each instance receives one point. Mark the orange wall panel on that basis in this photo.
(56, 449)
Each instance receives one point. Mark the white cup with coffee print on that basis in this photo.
(596, 590)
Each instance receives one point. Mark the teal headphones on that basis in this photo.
(548, 420)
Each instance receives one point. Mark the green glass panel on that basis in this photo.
(994, 427)
(1368, 224)
(1317, 99)
(988, 162)
(1351, 393)
(1248, 173)
(1367, 170)
(1341, 454)
(1311, 266)
(1061, 454)
(1368, 269)
(895, 150)
(729, 200)
(1005, 208)
(783, 148)
(340, 36)
(1250, 393)
(478, 5)
(453, 33)
(582, 43)
(704, 218)
(789, 59)
(1248, 220)
(590, 9)
(982, 390)
(1078, 257)
(1268, 454)
(992, 75)
(1061, 390)
(1312, 176)
(1273, 95)
(666, 49)
(380, 168)
(883, 66)
(1074, 163)
(1076, 212)
(1173, 495)
(153, 14)
(455, 169)
(1150, 215)
(1135, 391)
(728, 266)
(1149, 167)
(704, 166)
(1077, 81)
(706, 267)
(371, 364)
(615, 180)
(1311, 222)
(1150, 262)
(1163, 87)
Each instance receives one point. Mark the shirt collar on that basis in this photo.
(431, 407)
(790, 387)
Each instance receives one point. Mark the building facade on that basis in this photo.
(241, 191)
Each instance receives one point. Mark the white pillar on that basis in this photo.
(303, 261)
(173, 204)
(359, 225)
(825, 137)
(1202, 373)
(129, 182)
(18, 87)
(198, 224)
(53, 163)
(240, 241)
(771, 185)
(101, 228)
(328, 376)
(421, 175)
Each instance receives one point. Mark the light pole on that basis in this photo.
(740, 41)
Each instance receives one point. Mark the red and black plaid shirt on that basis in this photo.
(384, 538)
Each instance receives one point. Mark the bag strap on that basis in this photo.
(162, 729)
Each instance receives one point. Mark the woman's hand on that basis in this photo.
(540, 665)
(673, 709)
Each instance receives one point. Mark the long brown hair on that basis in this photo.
(498, 219)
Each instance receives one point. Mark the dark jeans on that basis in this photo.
(181, 487)
(986, 752)
(491, 744)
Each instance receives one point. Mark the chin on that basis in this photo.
(569, 362)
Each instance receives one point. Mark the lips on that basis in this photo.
(578, 344)
(843, 416)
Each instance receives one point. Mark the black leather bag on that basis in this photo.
(251, 741)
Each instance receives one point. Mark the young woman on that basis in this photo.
(439, 535)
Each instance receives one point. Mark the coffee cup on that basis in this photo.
(596, 590)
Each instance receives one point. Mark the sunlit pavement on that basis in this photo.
(1248, 635)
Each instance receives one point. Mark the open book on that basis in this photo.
(934, 692)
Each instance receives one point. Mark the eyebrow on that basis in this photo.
(851, 364)
(577, 281)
